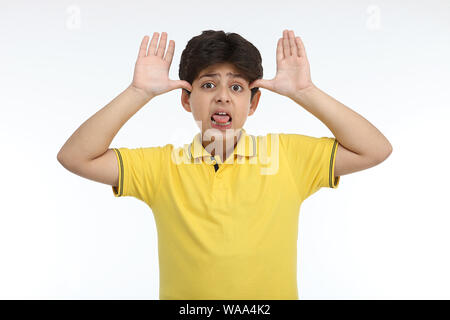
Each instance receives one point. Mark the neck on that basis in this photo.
(223, 147)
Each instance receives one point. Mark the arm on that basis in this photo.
(361, 145)
(86, 152)
(94, 136)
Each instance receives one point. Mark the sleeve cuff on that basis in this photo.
(118, 191)
(332, 180)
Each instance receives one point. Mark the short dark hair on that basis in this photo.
(212, 47)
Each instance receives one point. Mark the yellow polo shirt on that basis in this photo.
(230, 233)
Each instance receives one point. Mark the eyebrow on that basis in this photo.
(233, 75)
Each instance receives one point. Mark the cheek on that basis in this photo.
(244, 112)
(198, 112)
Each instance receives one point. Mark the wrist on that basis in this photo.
(302, 95)
(141, 93)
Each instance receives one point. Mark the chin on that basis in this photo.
(220, 133)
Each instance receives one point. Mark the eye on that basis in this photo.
(203, 85)
(242, 88)
(238, 86)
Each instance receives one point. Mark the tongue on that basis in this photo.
(221, 119)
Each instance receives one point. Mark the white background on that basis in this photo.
(383, 234)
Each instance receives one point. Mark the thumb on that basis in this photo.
(175, 84)
(261, 83)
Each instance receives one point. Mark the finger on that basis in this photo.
(301, 47)
(162, 45)
(175, 84)
(280, 55)
(262, 83)
(286, 47)
(253, 84)
(292, 43)
(170, 50)
(153, 43)
(143, 47)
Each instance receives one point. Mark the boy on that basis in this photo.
(226, 205)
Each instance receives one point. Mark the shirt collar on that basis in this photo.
(246, 146)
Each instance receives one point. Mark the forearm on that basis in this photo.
(95, 135)
(351, 130)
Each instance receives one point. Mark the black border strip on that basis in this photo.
(331, 163)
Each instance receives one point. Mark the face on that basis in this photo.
(221, 92)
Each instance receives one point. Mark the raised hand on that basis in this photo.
(293, 73)
(151, 71)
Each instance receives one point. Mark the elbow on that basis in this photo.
(385, 154)
(388, 150)
(60, 157)
(61, 160)
(377, 157)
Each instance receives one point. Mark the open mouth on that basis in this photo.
(221, 119)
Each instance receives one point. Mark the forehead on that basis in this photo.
(225, 66)
(223, 69)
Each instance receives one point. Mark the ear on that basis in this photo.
(185, 100)
(254, 103)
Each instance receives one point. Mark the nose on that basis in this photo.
(223, 95)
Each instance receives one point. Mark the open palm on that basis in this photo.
(151, 71)
(293, 72)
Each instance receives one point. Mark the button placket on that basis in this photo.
(218, 187)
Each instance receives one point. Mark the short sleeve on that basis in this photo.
(311, 161)
(139, 172)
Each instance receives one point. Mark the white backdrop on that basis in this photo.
(383, 234)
